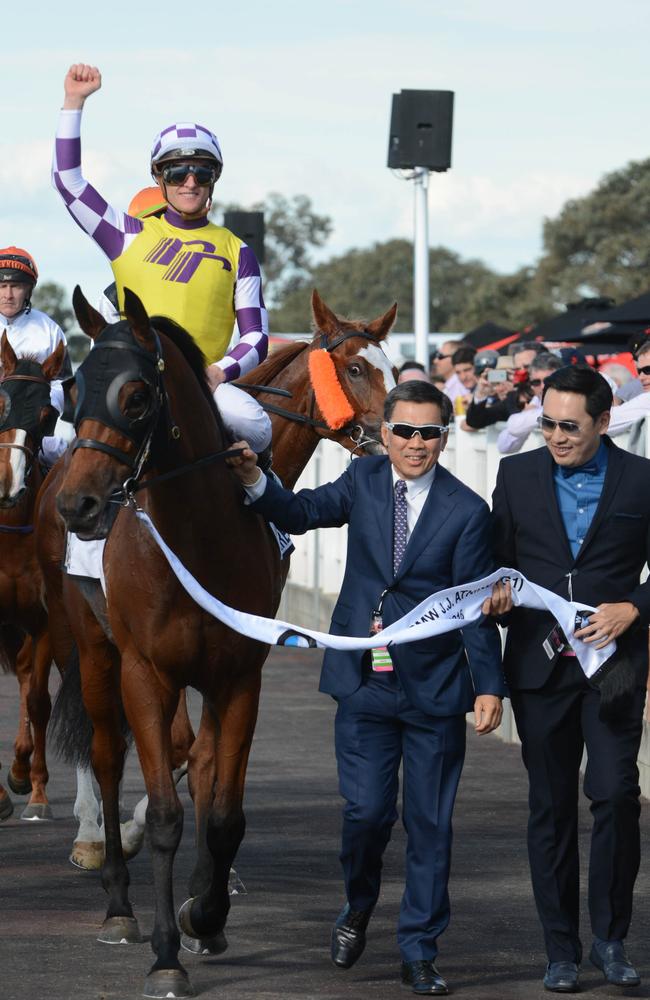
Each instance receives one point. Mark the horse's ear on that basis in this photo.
(91, 322)
(138, 319)
(324, 319)
(52, 365)
(8, 355)
(379, 328)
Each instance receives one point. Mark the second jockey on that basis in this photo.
(30, 332)
(181, 265)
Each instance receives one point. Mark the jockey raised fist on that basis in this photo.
(80, 82)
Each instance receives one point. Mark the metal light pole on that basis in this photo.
(421, 265)
(419, 141)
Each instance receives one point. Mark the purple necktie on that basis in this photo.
(399, 524)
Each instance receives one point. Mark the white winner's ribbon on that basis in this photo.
(442, 612)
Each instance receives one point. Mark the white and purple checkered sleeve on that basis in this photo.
(111, 229)
(252, 319)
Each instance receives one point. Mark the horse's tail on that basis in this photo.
(11, 640)
(70, 730)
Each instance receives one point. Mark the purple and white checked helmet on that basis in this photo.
(185, 140)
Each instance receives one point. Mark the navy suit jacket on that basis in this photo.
(449, 545)
(529, 535)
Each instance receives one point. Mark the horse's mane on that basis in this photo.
(274, 364)
(192, 354)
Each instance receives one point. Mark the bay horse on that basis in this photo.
(145, 417)
(366, 374)
(26, 416)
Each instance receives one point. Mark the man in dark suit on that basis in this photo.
(414, 529)
(575, 517)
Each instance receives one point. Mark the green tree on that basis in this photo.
(366, 282)
(54, 300)
(292, 231)
(513, 300)
(600, 244)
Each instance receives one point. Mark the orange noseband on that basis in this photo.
(332, 401)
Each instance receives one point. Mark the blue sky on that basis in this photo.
(547, 100)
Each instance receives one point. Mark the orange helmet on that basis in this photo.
(17, 265)
(147, 202)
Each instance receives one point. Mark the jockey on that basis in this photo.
(148, 201)
(30, 332)
(180, 265)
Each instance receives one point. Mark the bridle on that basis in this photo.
(142, 437)
(30, 453)
(354, 432)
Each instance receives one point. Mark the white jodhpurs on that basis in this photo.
(243, 416)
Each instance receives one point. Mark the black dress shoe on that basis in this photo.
(423, 978)
(610, 958)
(561, 977)
(349, 936)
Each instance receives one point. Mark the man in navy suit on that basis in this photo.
(575, 517)
(414, 529)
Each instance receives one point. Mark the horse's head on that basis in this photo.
(117, 398)
(350, 375)
(26, 417)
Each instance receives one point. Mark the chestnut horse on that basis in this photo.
(147, 424)
(26, 416)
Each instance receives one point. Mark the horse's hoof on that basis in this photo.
(120, 930)
(37, 812)
(88, 855)
(19, 786)
(235, 885)
(132, 837)
(6, 807)
(168, 983)
(205, 946)
(184, 921)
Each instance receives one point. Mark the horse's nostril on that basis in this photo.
(88, 507)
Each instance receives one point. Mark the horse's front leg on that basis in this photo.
(150, 708)
(39, 707)
(204, 916)
(19, 776)
(100, 682)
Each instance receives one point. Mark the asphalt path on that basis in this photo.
(279, 930)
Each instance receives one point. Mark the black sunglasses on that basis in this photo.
(569, 427)
(428, 432)
(176, 174)
(439, 356)
(644, 371)
(535, 382)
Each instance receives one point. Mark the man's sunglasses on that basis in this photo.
(176, 174)
(439, 356)
(644, 371)
(428, 432)
(535, 382)
(568, 427)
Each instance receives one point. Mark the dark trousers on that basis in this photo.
(376, 728)
(555, 723)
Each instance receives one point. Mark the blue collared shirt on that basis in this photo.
(578, 492)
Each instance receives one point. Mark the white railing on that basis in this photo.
(318, 563)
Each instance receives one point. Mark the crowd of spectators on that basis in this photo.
(488, 386)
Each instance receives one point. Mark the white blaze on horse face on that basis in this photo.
(376, 357)
(18, 463)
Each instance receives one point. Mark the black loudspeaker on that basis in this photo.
(249, 226)
(421, 124)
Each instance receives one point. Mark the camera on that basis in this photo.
(497, 375)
